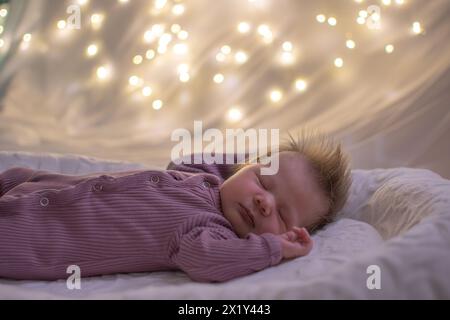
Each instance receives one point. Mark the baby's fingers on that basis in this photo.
(304, 239)
(302, 235)
(290, 236)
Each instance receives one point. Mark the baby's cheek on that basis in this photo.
(270, 226)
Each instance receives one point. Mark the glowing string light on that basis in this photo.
(104, 72)
(97, 20)
(350, 44)
(389, 48)
(138, 59)
(183, 35)
(301, 85)
(147, 91)
(61, 24)
(241, 57)
(332, 21)
(339, 62)
(234, 114)
(417, 28)
(243, 27)
(321, 18)
(134, 81)
(218, 78)
(175, 28)
(178, 9)
(276, 95)
(157, 104)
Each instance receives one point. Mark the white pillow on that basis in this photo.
(393, 200)
(337, 243)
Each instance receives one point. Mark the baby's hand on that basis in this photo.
(295, 243)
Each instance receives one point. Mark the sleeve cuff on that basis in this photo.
(274, 245)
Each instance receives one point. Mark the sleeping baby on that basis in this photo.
(215, 222)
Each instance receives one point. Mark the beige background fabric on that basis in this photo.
(389, 110)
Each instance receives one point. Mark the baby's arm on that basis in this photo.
(212, 254)
(216, 254)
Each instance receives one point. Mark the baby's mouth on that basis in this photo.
(246, 215)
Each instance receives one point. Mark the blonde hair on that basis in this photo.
(328, 163)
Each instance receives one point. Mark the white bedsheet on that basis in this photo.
(410, 209)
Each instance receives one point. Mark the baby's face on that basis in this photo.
(276, 203)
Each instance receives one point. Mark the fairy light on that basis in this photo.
(287, 46)
(184, 77)
(375, 16)
(417, 28)
(165, 39)
(287, 58)
(175, 28)
(2, 43)
(156, 33)
(149, 36)
(350, 44)
(243, 27)
(160, 4)
(339, 62)
(103, 72)
(220, 57)
(361, 20)
(178, 9)
(157, 104)
(301, 85)
(363, 13)
(97, 20)
(321, 18)
(218, 78)
(92, 50)
(150, 54)
(332, 21)
(137, 59)
(225, 49)
(241, 57)
(265, 32)
(147, 91)
(162, 49)
(183, 68)
(134, 81)
(234, 114)
(61, 24)
(157, 30)
(183, 35)
(27, 37)
(1, 29)
(180, 49)
(389, 48)
(3, 12)
(276, 95)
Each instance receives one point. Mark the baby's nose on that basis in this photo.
(262, 206)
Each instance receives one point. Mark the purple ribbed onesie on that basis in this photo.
(133, 221)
